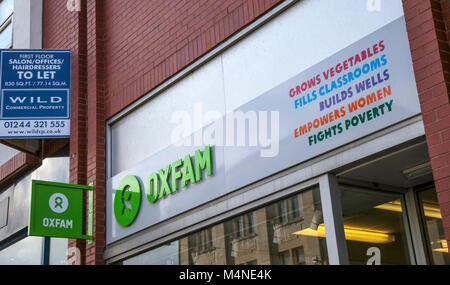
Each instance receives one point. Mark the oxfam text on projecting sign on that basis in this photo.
(56, 210)
(34, 94)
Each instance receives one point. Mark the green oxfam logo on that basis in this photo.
(165, 182)
(127, 200)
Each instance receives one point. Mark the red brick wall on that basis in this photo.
(445, 5)
(67, 30)
(149, 41)
(428, 28)
(96, 158)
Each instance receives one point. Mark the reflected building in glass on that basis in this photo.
(272, 235)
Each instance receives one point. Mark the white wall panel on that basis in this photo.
(148, 129)
(300, 37)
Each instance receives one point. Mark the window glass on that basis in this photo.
(6, 36)
(58, 251)
(6, 9)
(249, 224)
(432, 219)
(282, 212)
(299, 256)
(285, 259)
(295, 212)
(27, 251)
(163, 255)
(374, 228)
(259, 237)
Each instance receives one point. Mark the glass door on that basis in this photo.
(433, 228)
(374, 226)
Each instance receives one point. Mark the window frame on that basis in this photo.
(424, 235)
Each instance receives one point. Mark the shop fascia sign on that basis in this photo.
(362, 89)
(56, 210)
(163, 183)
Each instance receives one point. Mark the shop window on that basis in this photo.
(256, 237)
(58, 251)
(279, 232)
(27, 251)
(6, 11)
(434, 229)
(166, 254)
(374, 227)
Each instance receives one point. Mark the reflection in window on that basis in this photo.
(249, 224)
(299, 255)
(200, 243)
(259, 237)
(294, 209)
(58, 251)
(282, 212)
(24, 252)
(288, 210)
(278, 232)
(432, 219)
(285, 258)
(373, 226)
(166, 254)
(238, 231)
(243, 226)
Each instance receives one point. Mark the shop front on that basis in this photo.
(280, 146)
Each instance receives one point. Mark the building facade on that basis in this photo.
(25, 160)
(244, 131)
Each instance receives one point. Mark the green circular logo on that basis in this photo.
(127, 200)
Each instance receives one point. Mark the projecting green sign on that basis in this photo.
(57, 210)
